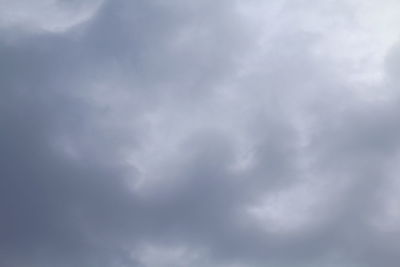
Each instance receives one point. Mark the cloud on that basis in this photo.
(45, 15)
(202, 133)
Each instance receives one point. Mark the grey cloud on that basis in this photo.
(153, 129)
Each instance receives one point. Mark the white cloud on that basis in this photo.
(46, 15)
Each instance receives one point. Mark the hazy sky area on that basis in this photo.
(199, 133)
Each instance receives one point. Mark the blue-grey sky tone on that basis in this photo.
(176, 133)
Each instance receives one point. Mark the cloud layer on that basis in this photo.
(199, 133)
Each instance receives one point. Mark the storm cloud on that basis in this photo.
(199, 133)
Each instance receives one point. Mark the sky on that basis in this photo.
(202, 133)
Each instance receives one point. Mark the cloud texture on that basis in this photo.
(199, 133)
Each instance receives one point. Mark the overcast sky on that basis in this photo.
(201, 133)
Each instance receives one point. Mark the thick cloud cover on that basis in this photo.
(221, 133)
